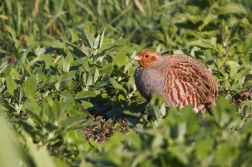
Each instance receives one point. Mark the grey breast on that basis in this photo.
(147, 81)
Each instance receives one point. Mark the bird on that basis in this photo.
(180, 79)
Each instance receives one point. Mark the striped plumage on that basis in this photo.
(180, 79)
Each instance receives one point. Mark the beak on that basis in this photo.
(137, 58)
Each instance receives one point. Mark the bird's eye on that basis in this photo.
(146, 56)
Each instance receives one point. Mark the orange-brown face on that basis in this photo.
(146, 58)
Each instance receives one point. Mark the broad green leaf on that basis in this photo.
(106, 71)
(202, 149)
(14, 73)
(117, 85)
(141, 157)
(40, 50)
(39, 154)
(85, 94)
(90, 77)
(230, 8)
(71, 121)
(235, 29)
(67, 95)
(247, 128)
(5, 106)
(205, 43)
(54, 43)
(101, 37)
(47, 114)
(32, 105)
(30, 41)
(66, 65)
(86, 104)
(12, 154)
(179, 154)
(133, 139)
(48, 61)
(88, 39)
(13, 34)
(157, 107)
(120, 59)
(99, 85)
(246, 108)
(44, 57)
(96, 75)
(178, 52)
(64, 80)
(233, 66)
(221, 50)
(11, 85)
(207, 20)
(157, 142)
(226, 154)
(85, 65)
(74, 35)
(114, 141)
(30, 87)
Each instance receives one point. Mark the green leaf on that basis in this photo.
(54, 43)
(74, 35)
(246, 108)
(86, 104)
(13, 34)
(205, 43)
(71, 121)
(40, 50)
(14, 73)
(101, 37)
(66, 65)
(30, 41)
(202, 149)
(85, 94)
(5, 106)
(157, 107)
(106, 69)
(117, 85)
(230, 8)
(48, 61)
(66, 95)
(120, 59)
(30, 87)
(235, 29)
(90, 77)
(179, 154)
(233, 66)
(32, 105)
(64, 80)
(39, 154)
(9, 145)
(85, 65)
(226, 154)
(11, 85)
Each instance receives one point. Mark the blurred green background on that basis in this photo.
(67, 92)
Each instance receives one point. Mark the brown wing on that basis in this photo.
(179, 92)
(190, 83)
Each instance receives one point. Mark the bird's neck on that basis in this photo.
(160, 63)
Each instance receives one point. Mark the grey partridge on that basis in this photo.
(179, 79)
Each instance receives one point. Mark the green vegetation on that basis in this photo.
(67, 92)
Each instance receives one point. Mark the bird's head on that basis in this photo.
(147, 58)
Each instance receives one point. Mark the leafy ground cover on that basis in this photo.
(67, 90)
